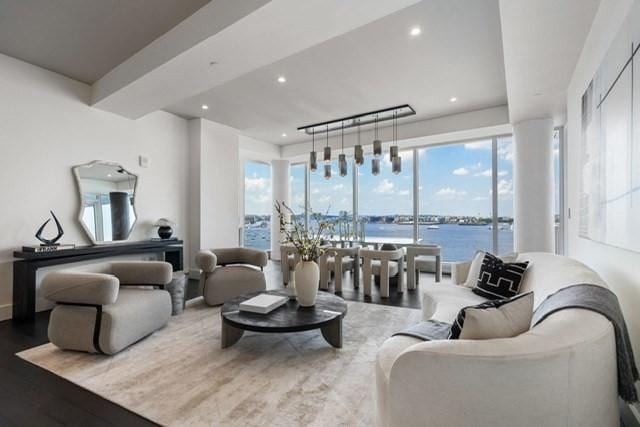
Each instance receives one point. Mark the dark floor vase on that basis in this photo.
(120, 223)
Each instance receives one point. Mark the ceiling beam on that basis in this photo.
(238, 37)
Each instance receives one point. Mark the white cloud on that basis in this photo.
(324, 199)
(505, 187)
(255, 183)
(487, 173)
(461, 171)
(480, 198)
(403, 193)
(338, 187)
(505, 151)
(450, 193)
(385, 187)
(315, 191)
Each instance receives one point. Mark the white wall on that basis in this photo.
(46, 127)
(214, 164)
(617, 266)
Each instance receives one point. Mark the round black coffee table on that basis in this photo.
(325, 315)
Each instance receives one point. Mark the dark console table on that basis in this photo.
(28, 263)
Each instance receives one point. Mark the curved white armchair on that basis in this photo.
(560, 373)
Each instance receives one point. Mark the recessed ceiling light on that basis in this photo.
(109, 175)
(284, 135)
(415, 31)
(282, 79)
(453, 99)
(205, 107)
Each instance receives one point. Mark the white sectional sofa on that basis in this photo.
(560, 373)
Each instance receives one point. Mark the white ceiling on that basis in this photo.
(85, 39)
(246, 35)
(542, 43)
(339, 57)
(458, 54)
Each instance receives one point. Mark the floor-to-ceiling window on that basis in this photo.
(504, 187)
(298, 188)
(257, 205)
(331, 199)
(385, 201)
(464, 195)
(455, 193)
(558, 151)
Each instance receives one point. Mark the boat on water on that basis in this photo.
(433, 227)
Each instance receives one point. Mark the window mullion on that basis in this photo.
(494, 193)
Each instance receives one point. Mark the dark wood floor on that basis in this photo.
(31, 396)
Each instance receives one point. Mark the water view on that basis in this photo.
(458, 242)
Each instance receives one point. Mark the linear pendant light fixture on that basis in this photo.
(358, 152)
(327, 158)
(358, 120)
(327, 149)
(342, 159)
(377, 144)
(313, 156)
(396, 160)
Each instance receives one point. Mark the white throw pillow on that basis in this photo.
(476, 265)
(474, 270)
(494, 319)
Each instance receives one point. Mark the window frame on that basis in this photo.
(241, 228)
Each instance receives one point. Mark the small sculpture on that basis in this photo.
(50, 242)
(165, 229)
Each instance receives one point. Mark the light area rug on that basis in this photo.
(179, 376)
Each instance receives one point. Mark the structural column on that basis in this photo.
(280, 173)
(533, 186)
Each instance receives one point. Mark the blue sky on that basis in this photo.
(454, 180)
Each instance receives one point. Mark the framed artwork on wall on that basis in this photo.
(610, 144)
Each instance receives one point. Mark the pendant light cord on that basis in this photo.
(313, 140)
(342, 137)
(376, 129)
(327, 135)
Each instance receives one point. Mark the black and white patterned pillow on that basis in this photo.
(502, 318)
(499, 279)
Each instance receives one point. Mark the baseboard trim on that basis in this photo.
(6, 312)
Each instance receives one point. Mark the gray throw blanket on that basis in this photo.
(430, 330)
(600, 300)
(589, 297)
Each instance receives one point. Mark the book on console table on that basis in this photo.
(263, 303)
(47, 248)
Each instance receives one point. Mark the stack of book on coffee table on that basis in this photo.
(263, 303)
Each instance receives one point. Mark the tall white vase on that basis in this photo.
(307, 278)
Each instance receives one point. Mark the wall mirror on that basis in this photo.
(107, 201)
